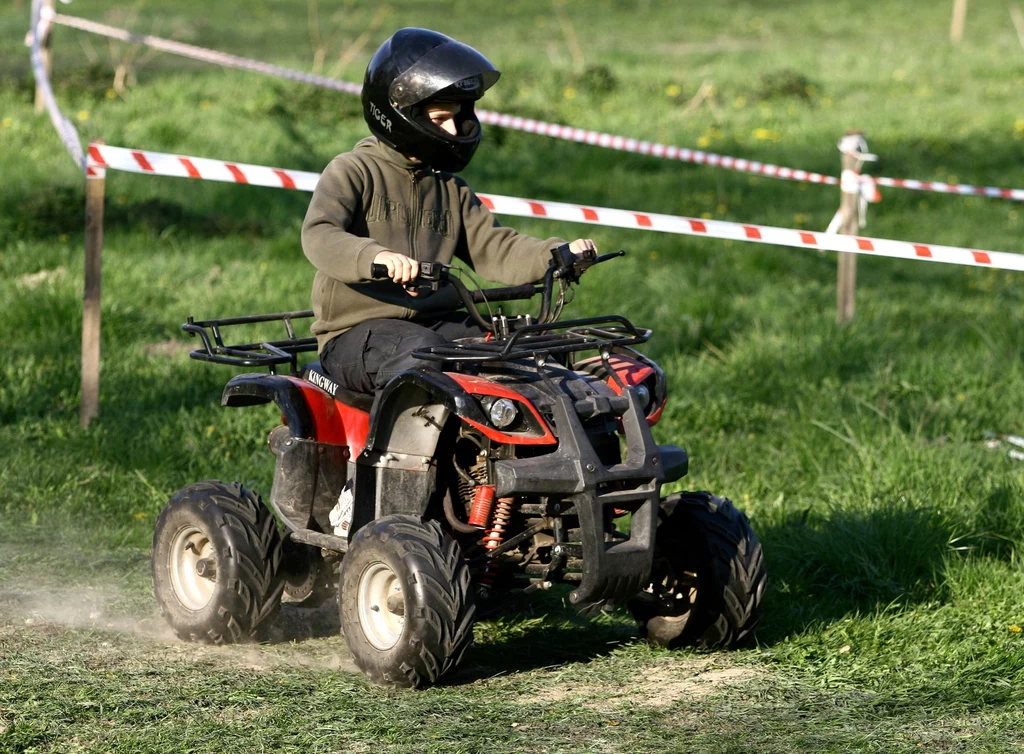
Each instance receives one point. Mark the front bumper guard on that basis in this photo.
(616, 570)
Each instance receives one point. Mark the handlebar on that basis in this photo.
(566, 267)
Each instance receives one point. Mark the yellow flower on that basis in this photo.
(800, 219)
(721, 209)
(525, 91)
(654, 255)
(205, 104)
(703, 141)
(141, 515)
(706, 215)
(765, 134)
(1018, 127)
(83, 115)
(739, 102)
(568, 92)
(673, 90)
(961, 397)
(8, 122)
(111, 94)
(1015, 629)
(63, 238)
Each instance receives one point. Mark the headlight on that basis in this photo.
(503, 412)
(644, 394)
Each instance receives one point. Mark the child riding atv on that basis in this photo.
(483, 467)
(394, 200)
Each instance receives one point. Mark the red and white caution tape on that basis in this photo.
(156, 163)
(952, 188)
(159, 163)
(205, 55)
(42, 19)
(516, 123)
(654, 149)
(529, 125)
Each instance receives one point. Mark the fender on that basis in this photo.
(633, 368)
(309, 412)
(255, 389)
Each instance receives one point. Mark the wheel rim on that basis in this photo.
(190, 546)
(381, 605)
(675, 595)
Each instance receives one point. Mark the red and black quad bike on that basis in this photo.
(503, 464)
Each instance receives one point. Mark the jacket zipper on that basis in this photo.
(412, 218)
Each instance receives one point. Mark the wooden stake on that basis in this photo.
(95, 187)
(956, 27)
(846, 280)
(44, 49)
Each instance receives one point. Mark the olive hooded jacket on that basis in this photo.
(374, 199)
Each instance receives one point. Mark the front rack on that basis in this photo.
(263, 354)
(596, 333)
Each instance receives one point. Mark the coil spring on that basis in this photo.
(494, 535)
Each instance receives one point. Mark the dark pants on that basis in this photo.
(366, 357)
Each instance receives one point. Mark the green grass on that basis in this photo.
(893, 537)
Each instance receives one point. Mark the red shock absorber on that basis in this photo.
(492, 538)
(483, 504)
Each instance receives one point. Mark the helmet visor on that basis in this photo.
(454, 66)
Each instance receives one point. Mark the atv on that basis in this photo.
(503, 465)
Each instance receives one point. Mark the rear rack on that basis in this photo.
(596, 333)
(264, 354)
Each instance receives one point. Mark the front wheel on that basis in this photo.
(406, 603)
(216, 554)
(708, 576)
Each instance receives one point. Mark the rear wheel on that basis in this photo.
(406, 604)
(708, 576)
(216, 553)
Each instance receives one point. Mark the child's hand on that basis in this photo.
(401, 269)
(580, 245)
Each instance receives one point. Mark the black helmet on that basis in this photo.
(408, 71)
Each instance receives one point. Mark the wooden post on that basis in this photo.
(846, 282)
(47, 10)
(95, 186)
(956, 27)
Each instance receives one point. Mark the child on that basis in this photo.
(394, 200)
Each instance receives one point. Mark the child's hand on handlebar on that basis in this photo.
(401, 269)
(581, 245)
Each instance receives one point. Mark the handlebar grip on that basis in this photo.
(379, 271)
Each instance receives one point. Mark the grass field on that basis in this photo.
(894, 538)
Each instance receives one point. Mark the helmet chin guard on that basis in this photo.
(412, 69)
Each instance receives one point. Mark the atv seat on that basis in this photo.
(314, 373)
